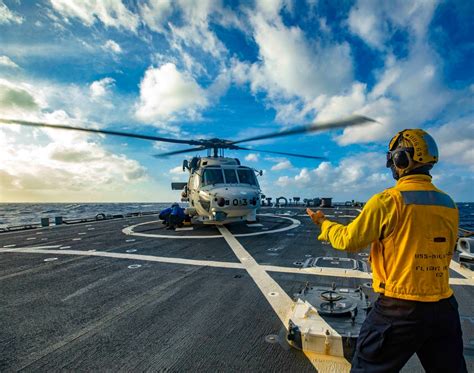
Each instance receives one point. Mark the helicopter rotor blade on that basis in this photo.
(313, 127)
(162, 155)
(284, 153)
(105, 132)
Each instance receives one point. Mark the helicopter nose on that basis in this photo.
(242, 200)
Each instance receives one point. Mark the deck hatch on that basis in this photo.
(333, 262)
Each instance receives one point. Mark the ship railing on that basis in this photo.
(98, 217)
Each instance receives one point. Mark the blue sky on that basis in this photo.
(230, 69)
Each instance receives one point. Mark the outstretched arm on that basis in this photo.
(377, 220)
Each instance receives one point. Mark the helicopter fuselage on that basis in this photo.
(220, 190)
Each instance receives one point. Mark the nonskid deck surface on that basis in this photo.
(128, 294)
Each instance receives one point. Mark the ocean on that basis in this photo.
(13, 214)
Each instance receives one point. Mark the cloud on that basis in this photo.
(408, 93)
(86, 104)
(455, 141)
(177, 174)
(64, 162)
(81, 166)
(338, 106)
(7, 62)
(7, 16)
(283, 165)
(408, 90)
(155, 13)
(178, 170)
(252, 157)
(293, 66)
(270, 9)
(306, 78)
(51, 52)
(195, 31)
(112, 13)
(112, 46)
(455, 181)
(15, 98)
(166, 93)
(353, 176)
(364, 23)
(361, 175)
(80, 153)
(162, 146)
(375, 23)
(298, 69)
(198, 36)
(193, 21)
(292, 69)
(220, 85)
(102, 87)
(186, 27)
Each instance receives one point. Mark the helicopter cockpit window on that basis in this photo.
(212, 176)
(247, 176)
(230, 176)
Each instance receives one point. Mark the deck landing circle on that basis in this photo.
(294, 224)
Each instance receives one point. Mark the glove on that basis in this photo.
(317, 217)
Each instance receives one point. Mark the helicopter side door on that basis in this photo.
(193, 188)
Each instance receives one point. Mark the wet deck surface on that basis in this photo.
(159, 301)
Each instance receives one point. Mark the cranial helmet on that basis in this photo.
(411, 149)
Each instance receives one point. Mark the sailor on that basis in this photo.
(164, 215)
(176, 217)
(412, 228)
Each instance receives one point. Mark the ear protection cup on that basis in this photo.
(401, 159)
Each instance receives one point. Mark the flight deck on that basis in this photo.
(129, 295)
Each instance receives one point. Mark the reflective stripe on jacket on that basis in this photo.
(413, 231)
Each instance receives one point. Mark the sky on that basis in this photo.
(230, 69)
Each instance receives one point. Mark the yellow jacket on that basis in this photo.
(413, 230)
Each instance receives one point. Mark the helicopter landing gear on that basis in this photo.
(252, 217)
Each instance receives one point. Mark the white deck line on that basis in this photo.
(325, 272)
(130, 230)
(275, 295)
(2, 250)
(149, 258)
(319, 271)
(456, 267)
(282, 304)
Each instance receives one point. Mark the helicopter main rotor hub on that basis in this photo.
(216, 144)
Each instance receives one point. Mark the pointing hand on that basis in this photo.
(317, 217)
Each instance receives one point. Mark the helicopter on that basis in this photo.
(220, 189)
